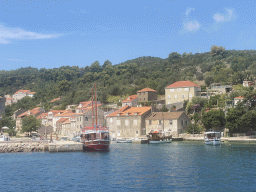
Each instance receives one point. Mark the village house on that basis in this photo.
(47, 118)
(8, 101)
(131, 101)
(248, 83)
(172, 122)
(85, 104)
(146, 95)
(180, 91)
(220, 89)
(66, 126)
(35, 112)
(20, 94)
(128, 122)
(238, 99)
(67, 114)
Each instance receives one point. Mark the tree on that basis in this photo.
(248, 122)
(30, 123)
(215, 50)
(234, 119)
(174, 55)
(213, 119)
(194, 128)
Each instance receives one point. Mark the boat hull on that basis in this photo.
(212, 142)
(96, 146)
(124, 141)
(156, 142)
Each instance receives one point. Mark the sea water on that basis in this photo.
(176, 166)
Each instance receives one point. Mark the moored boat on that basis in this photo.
(159, 137)
(212, 138)
(95, 139)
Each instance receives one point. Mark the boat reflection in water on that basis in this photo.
(212, 138)
(95, 139)
(159, 137)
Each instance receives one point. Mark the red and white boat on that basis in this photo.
(95, 139)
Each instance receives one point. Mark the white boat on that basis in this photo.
(124, 140)
(159, 137)
(4, 138)
(212, 138)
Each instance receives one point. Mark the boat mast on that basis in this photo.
(92, 110)
(96, 105)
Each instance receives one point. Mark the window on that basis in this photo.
(144, 99)
(126, 122)
(118, 122)
(160, 122)
(179, 89)
(190, 95)
(169, 97)
(137, 132)
(80, 119)
(176, 97)
(171, 90)
(183, 96)
(186, 89)
(181, 122)
(170, 122)
(186, 122)
(134, 122)
(150, 122)
(110, 120)
(86, 118)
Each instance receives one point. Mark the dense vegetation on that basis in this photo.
(73, 84)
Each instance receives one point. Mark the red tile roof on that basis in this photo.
(61, 120)
(23, 91)
(165, 115)
(130, 98)
(147, 90)
(182, 84)
(130, 111)
(57, 99)
(240, 97)
(34, 111)
(43, 115)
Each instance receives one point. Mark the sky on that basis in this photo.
(55, 33)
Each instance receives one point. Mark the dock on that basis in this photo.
(65, 146)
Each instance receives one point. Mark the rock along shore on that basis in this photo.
(22, 147)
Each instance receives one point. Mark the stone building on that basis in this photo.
(131, 101)
(146, 95)
(172, 122)
(180, 91)
(128, 122)
(20, 94)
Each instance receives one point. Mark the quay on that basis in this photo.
(65, 146)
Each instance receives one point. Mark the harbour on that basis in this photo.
(176, 166)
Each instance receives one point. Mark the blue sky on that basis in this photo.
(55, 33)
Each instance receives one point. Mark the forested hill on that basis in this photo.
(74, 83)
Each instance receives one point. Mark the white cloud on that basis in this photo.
(6, 34)
(228, 16)
(188, 11)
(190, 25)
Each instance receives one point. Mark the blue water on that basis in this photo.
(178, 166)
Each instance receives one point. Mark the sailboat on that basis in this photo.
(96, 137)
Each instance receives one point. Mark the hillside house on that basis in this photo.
(238, 99)
(20, 94)
(146, 95)
(180, 91)
(131, 101)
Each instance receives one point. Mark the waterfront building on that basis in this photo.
(128, 122)
(172, 122)
(180, 91)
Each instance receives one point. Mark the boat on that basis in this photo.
(4, 138)
(124, 140)
(96, 137)
(212, 138)
(159, 137)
